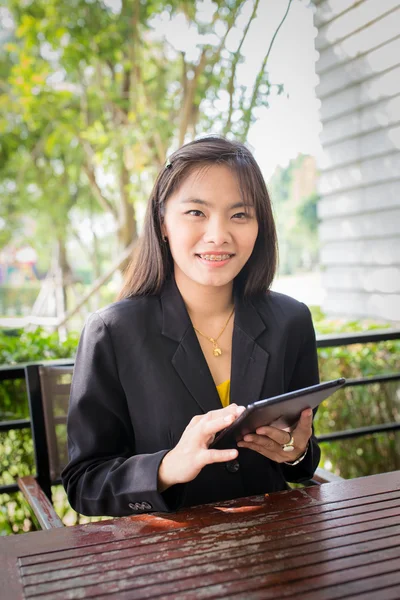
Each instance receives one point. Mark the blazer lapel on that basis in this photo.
(188, 360)
(249, 359)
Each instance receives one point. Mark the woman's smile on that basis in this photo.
(215, 259)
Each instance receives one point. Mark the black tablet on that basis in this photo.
(281, 411)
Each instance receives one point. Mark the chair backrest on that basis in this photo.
(48, 388)
(55, 383)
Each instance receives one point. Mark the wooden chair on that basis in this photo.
(48, 388)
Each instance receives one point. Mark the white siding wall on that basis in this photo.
(359, 70)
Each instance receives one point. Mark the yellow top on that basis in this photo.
(224, 390)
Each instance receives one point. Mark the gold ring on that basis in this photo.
(289, 447)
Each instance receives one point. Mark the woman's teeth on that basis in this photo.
(215, 257)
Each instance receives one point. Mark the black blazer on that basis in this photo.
(140, 376)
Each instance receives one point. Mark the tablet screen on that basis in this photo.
(282, 411)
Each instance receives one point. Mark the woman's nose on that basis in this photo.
(217, 232)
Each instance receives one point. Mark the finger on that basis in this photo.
(210, 440)
(304, 426)
(261, 450)
(278, 457)
(231, 409)
(264, 442)
(278, 435)
(209, 428)
(194, 420)
(278, 424)
(268, 447)
(217, 456)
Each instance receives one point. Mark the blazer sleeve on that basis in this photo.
(104, 476)
(305, 374)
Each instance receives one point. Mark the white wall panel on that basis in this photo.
(384, 85)
(384, 252)
(357, 227)
(368, 199)
(376, 61)
(363, 279)
(379, 115)
(366, 146)
(353, 20)
(361, 42)
(359, 210)
(329, 9)
(366, 172)
(378, 306)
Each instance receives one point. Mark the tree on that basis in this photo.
(294, 196)
(94, 98)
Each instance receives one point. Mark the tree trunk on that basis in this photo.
(66, 272)
(127, 227)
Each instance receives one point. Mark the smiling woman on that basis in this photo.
(195, 336)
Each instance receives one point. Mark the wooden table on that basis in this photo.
(340, 540)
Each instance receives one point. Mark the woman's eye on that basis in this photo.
(241, 215)
(194, 213)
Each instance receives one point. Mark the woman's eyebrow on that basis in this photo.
(209, 204)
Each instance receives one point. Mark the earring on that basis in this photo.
(165, 238)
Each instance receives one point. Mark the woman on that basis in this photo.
(195, 337)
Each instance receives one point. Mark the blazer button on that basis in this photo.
(232, 466)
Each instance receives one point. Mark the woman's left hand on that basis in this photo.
(269, 440)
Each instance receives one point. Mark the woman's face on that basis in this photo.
(211, 234)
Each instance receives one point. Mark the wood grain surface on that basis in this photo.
(339, 540)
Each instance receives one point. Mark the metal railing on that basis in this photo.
(12, 373)
(364, 337)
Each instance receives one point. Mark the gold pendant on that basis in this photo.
(217, 350)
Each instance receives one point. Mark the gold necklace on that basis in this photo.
(216, 349)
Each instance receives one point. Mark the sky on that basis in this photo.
(291, 125)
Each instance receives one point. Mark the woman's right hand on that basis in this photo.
(184, 462)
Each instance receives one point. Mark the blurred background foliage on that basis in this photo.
(293, 191)
(94, 97)
(347, 409)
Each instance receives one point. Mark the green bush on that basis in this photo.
(21, 346)
(359, 406)
(16, 447)
(347, 409)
